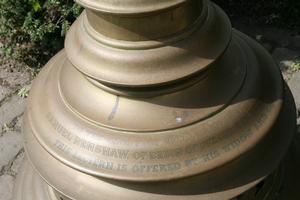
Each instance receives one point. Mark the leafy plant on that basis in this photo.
(296, 65)
(283, 13)
(23, 92)
(33, 30)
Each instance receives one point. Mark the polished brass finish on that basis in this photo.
(156, 99)
(148, 27)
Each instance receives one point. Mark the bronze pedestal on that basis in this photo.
(156, 100)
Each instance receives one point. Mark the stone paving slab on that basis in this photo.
(17, 163)
(6, 187)
(294, 84)
(13, 76)
(11, 109)
(10, 145)
(4, 92)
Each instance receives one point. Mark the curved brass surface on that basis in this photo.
(148, 66)
(199, 112)
(110, 136)
(29, 185)
(147, 27)
(131, 7)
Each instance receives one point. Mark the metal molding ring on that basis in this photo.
(202, 21)
(161, 65)
(130, 7)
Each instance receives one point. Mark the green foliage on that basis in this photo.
(23, 92)
(284, 13)
(295, 66)
(33, 30)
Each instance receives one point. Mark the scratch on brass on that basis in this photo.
(115, 109)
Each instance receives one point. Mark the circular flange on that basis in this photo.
(78, 141)
(175, 108)
(30, 186)
(130, 6)
(148, 66)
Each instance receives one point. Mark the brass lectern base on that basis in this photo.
(281, 185)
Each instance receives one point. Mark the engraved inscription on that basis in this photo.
(158, 155)
(86, 160)
(156, 168)
(203, 159)
(154, 162)
(87, 145)
(58, 127)
(110, 152)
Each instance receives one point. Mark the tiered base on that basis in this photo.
(280, 185)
